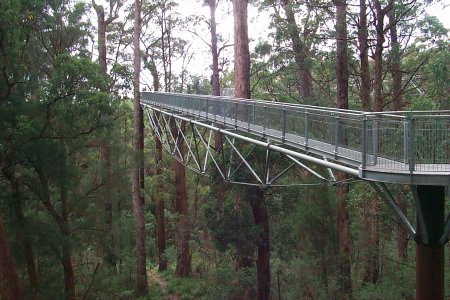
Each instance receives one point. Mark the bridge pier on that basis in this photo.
(430, 206)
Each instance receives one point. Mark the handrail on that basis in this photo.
(407, 141)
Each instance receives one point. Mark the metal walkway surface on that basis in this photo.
(398, 147)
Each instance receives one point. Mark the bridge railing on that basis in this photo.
(405, 141)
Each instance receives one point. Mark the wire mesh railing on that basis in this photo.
(415, 141)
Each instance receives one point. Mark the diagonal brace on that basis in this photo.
(387, 197)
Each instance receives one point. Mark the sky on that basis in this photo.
(258, 27)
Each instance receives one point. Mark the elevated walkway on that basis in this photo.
(396, 147)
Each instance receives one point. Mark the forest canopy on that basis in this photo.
(92, 207)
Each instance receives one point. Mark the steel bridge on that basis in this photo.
(257, 142)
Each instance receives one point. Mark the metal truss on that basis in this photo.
(419, 233)
(221, 152)
(235, 158)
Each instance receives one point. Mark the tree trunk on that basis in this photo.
(396, 93)
(108, 240)
(256, 198)
(138, 197)
(241, 90)
(378, 57)
(101, 37)
(397, 104)
(402, 233)
(215, 79)
(343, 220)
(372, 266)
(159, 200)
(364, 91)
(24, 239)
(241, 50)
(69, 276)
(183, 231)
(341, 54)
(304, 78)
(344, 239)
(160, 214)
(10, 288)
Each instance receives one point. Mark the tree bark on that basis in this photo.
(304, 78)
(256, 198)
(138, 197)
(363, 47)
(69, 275)
(372, 266)
(241, 50)
(343, 220)
(160, 214)
(101, 36)
(397, 91)
(341, 54)
(108, 242)
(10, 288)
(159, 200)
(378, 57)
(183, 231)
(215, 78)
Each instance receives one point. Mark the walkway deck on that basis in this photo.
(411, 148)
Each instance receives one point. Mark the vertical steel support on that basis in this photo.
(306, 129)
(264, 121)
(235, 115)
(411, 145)
(430, 256)
(364, 145)
(336, 135)
(248, 117)
(283, 133)
(253, 109)
(375, 142)
(224, 112)
(207, 108)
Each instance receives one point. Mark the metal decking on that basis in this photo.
(398, 147)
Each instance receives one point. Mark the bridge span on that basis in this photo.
(395, 147)
(398, 147)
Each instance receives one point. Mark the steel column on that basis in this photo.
(430, 256)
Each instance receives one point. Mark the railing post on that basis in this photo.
(336, 134)
(207, 108)
(235, 115)
(364, 145)
(411, 144)
(306, 129)
(248, 117)
(253, 109)
(224, 112)
(264, 120)
(283, 133)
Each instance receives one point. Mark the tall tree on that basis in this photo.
(183, 230)
(343, 220)
(105, 148)
(379, 16)
(138, 145)
(215, 78)
(363, 47)
(397, 104)
(254, 195)
(241, 50)
(301, 52)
